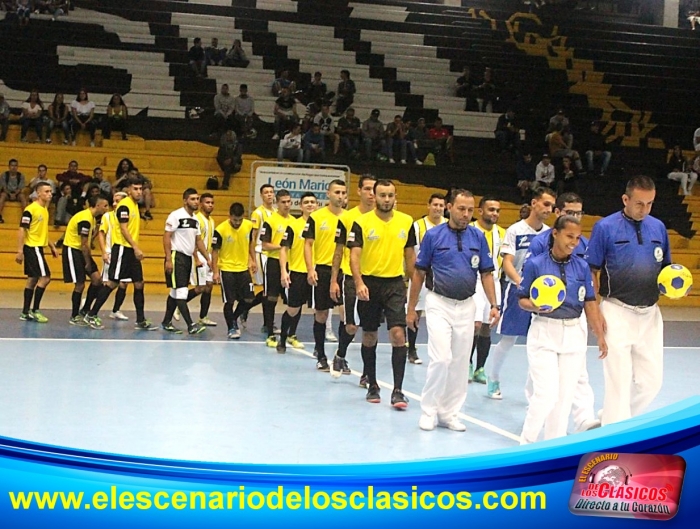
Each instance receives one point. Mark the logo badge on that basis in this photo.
(475, 261)
(658, 254)
(581, 293)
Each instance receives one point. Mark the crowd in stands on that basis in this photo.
(22, 10)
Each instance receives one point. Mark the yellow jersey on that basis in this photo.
(233, 246)
(344, 227)
(322, 228)
(206, 226)
(35, 221)
(494, 238)
(258, 217)
(273, 231)
(294, 242)
(80, 225)
(127, 213)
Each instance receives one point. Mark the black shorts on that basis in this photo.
(272, 278)
(237, 286)
(386, 295)
(182, 271)
(124, 265)
(75, 269)
(299, 291)
(35, 264)
(321, 293)
(350, 299)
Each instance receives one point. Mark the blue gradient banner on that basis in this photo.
(48, 486)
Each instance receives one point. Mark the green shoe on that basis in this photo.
(38, 317)
(169, 327)
(293, 342)
(480, 376)
(78, 320)
(471, 372)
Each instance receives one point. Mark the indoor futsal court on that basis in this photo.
(211, 399)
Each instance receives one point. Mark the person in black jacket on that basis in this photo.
(597, 150)
(229, 156)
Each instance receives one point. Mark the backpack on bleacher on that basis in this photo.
(212, 183)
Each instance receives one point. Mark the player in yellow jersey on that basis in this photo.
(319, 235)
(202, 277)
(382, 252)
(293, 274)
(262, 212)
(126, 256)
(435, 217)
(32, 238)
(108, 225)
(233, 262)
(487, 221)
(271, 235)
(341, 262)
(77, 258)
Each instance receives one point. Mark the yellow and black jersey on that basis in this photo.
(382, 243)
(233, 246)
(35, 221)
(80, 225)
(295, 243)
(272, 231)
(494, 238)
(258, 217)
(341, 237)
(322, 227)
(206, 227)
(127, 213)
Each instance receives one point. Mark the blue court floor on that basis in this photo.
(209, 399)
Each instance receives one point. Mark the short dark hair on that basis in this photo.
(337, 182)
(236, 210)
(92, 200)
(434, 196)
(42, 165)
(282, 193)
(95, 169)
(454, 193)
(12, 160)
(487, 198)
(383, 182)
(44, 184)
(364, 178)
(243, 87)
(639, 182)
(346, 72)
(567, 198)
(134, 181)
(197, 39)
(189, 192)
(565, 220)
(265, 186)
(205, 195)
(307, 194)
(537, 193)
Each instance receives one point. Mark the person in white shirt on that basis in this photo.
(696, 140)
(83, 112)
(32, 109)
(544, 173)
(290, 145)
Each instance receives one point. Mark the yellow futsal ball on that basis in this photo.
(547, 292)
(675, 281)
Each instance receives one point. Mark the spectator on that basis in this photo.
(122, 172)
(103, 184)
(283, 82)
(41, 178)
(244, 112)
(285, 113)
(314, 144)
(350, 131)
(83, 111)
(465, 88)
(66, 206)
(32, 111)
(76, 179)
(696, 137)
(560, 120)
(507, 132)
(224, 104)
(396, 138)
(346, 93)
(566, 178)
(317, 90)
(486, 92)
(229, 157)
(411, 148)
(596, 150)
(325, 121)
(12, 185)
(4, 117)
(525, 170)
(679, 170)
(59, 116)
(236, 56)
(24, 11)
(196, 58)
(213, 54)
(420, 137)
(148, 199)
(290, 145)
(443, 139)
(544, 173)
(558, 148)
(117, 117)
(373, 136)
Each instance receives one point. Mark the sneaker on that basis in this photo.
(26, 316)
(453, 424)
(119, 315)
(94, 322)
(418, 162)
(413, 357)
(281, 348)
(373, 395)
(426, 422)
(234, 333)
(588, 424)
(48, 140)
(196, 328)
(293, 342)
(176, 315)
(78, 320)
(398, 400)
(480, 376)
(145, 325)
(364, 382)
(337, 367)
(391, 160)
(38, 317)
(276, 137)
(403, 162)
(322, 365)
(346, 368)
(207, 322)
(331, 337)
(493, 390)
(169, 327)
(471, 372)
(271, 341)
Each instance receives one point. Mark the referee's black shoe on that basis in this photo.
(281, 347)
(373, 394)
(398, 400)
(413, 357)
(322, 365)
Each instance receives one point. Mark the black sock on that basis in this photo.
(204, 306)
(471, 356)
(90, 297)
(170, 306)
(119, 298)
(240, 309)
(184, 311)
(320, 339)
(75, 303)
(269, 316)
(483, 346)
(398, 364)
(102, 296)
(344, 339)
(256, 301)
(369, 359)
(192, 293)
(294, 324)
(412, 335)
(139, 302)
(28, 295)
(38, 294)
(285, 326)
(228, 314)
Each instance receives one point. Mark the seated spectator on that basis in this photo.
(558, 148)
(290, 146)
(244, 113)
(325, 121)
(486, 92)
(283, 82)
(597, 151)
(236, 57)
(566, 177)
(213, 54)
(443, 139)
(75, 178)
(396, 139)
(117, 117)
(317, 90)
(32, 112)
(41, 178)
(679, 170)
(373, 136)
(59, 116)
(90, 190)
(229, 157)
(83, 111)
(66, 206)
(4, 117)
(544, 173)
(196, 58)
(507, 132)
(465, 88)
(693, 18)
(350, 131)
(101, 182)
(420, 137)
(314, 144)
(346, 93)
(12, 185)
(55, 8)
(24, 11)
(696, 140)
(525, 171)
(122, 172)
(224, 104)
(558, 119)
(285, 113)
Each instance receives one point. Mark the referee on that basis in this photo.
(626, 252)
(451, 255)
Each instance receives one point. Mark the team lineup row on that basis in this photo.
(359, 258)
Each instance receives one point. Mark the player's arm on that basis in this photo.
(102, 241)
(202, 250)
(168, 249)
(215, 245)
(486, 269)
(19, 258)
(252, 261)
(509, 269)
(84, 230)
(309, 236)
(596, 321)
(340, 240)
(266, 239)
(287, 242)
(409, 253)
(417, 280)
(355, 241)
(124, 230)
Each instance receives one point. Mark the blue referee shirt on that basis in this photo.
(543, 242)
(574, 272)
(452, 259)
(629, 254)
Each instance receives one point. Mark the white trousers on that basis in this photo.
(555, 354)
(450, 326)
(634, 366)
